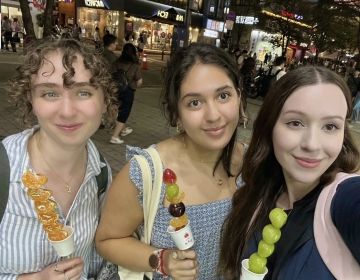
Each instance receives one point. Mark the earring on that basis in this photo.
(179, 127)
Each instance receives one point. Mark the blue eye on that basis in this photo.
(49, 94)
(84, 93)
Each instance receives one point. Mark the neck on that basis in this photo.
(64, 159)
(198, 153)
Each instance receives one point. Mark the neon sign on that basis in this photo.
(167, 15)
(94, 3)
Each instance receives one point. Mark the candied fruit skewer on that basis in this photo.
(45, 207)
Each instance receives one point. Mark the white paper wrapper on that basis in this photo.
(246, 274)
(183, 238)
(65, 247)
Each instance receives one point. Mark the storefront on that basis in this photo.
(97, 13)
(161, 26)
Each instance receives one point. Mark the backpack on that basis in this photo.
(267, 81)
(119, 76)
(101, 179)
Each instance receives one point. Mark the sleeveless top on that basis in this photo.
(205, 219)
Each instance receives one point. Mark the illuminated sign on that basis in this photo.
(286, 19)
(246, 20)
(211, 33)
(171, 16)
(291, 15)
(215, 25)
(94, 3)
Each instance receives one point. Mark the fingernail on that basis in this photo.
(174, 255)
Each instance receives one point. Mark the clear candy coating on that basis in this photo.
(44, 205)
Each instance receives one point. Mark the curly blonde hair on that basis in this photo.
(21, 85)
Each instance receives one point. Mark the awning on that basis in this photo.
(169, 16)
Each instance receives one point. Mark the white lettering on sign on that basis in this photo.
(163, 14)
(94, 3)
(179, 18)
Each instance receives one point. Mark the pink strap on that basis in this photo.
(331, 246)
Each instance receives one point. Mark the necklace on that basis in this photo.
(67, 185)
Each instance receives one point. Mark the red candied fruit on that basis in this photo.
(169, 176)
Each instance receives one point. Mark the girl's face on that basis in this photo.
(309, 133)
(67, 116)
(208, 106)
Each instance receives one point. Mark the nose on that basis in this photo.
(212, 113)
(310, 140)
(68, 106)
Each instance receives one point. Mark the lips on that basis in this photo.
(68, 127)
(214, 131)
(308, 162)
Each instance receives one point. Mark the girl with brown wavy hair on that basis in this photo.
(65, 91)
(300, 142)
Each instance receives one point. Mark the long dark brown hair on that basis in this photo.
(261, 172)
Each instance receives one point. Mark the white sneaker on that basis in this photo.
(116, 140)
(126, 131)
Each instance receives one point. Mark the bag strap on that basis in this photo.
(151, 191)
(4, 179)
(328, 239)
(102, 178)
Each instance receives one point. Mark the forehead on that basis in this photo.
(202, 77)
(52, 69)
(317, 99)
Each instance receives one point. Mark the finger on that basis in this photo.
(187, 254)
(67, 264)
(75, 272)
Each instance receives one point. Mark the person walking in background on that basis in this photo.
(278, 68)
(128, 65)
(15, 26)
(240, 59)
(7, 31)
(110, 43)
(68, 91)
(206, 115)
(97, 39)
(300, 151)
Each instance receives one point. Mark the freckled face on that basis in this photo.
(208, 106)
(68, 116)
(309, 133)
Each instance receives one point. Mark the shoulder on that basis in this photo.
(17, 143)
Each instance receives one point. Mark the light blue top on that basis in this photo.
(24, 247)
(205, 219)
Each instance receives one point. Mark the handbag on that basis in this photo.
(151, 198)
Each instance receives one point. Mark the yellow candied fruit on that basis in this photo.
(45, 206)
(179, 222)
(58, 235)
(175, 200)
(33, 181)
(39, 194)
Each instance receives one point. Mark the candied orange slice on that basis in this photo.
(179, 222)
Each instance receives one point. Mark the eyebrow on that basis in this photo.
(301, 113)
(54, 85)
(195, 94)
